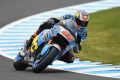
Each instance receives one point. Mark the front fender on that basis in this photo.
(47, 48)
(57, 46)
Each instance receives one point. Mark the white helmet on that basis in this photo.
(82, 18)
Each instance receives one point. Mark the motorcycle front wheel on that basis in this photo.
(40, 64)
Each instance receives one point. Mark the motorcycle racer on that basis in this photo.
(79, 28)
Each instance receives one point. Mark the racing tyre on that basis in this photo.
(19, 63)
(40, 64)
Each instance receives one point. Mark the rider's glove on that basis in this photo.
(53, 21)
(77, 48)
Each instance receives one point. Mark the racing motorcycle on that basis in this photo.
(39, 57)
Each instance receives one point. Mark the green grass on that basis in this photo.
(103, 42)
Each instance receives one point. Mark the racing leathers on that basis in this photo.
(48, 26)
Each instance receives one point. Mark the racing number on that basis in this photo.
(68, 35)
(34, 44)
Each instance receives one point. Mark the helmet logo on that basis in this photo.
(77, 14)
(85, 18)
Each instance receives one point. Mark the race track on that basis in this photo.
(11, 10)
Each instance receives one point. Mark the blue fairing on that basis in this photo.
(40, 40)
(18, 58)
(42, 55)
(45, 50)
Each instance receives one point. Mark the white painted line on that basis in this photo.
(12, 41)
(18, 44)
(96, 69)
(110, 74)
(75, 66)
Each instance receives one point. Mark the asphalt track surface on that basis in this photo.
(11, 10)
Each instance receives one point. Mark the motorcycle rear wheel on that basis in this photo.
(19, 63)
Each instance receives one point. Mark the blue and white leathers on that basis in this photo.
(82, 33)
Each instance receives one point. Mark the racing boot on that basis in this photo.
(29, 42)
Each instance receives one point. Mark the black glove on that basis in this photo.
(77, 48)
(53, 21)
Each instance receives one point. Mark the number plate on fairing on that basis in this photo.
(68, 36)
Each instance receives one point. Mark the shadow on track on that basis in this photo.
(47, 70)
